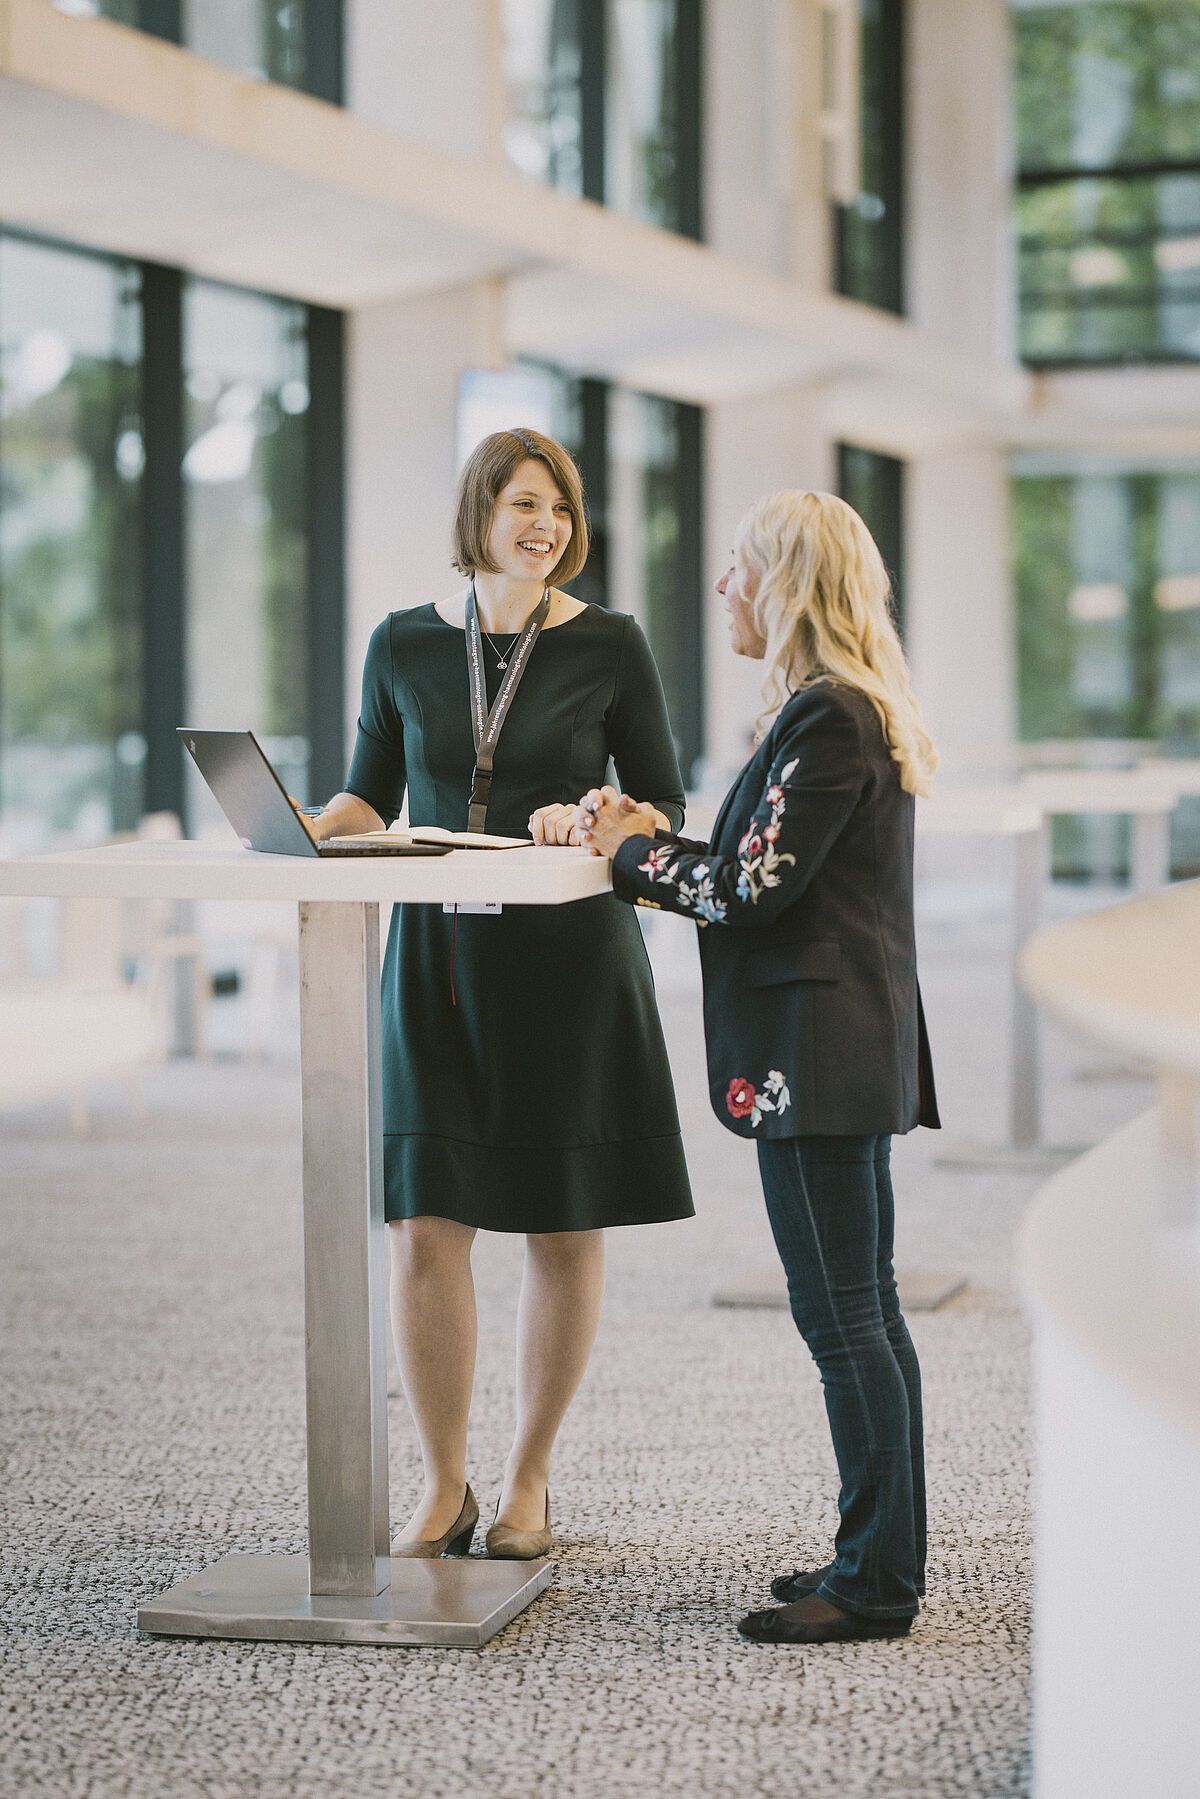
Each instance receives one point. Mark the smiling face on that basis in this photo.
(739, 585)
(531, 526)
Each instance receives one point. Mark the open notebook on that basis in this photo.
(433, 835)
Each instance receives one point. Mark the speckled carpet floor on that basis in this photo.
(152, 1420)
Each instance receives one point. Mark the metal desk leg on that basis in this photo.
(1024, 1053)
(344, 1316)
(346, 1589)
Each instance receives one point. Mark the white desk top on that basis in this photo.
(1127, 976)
(524, 877)
(1118, 790)
(978, 812)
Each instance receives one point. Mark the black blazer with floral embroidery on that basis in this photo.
(804, 899)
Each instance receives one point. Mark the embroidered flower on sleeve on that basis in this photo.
(700, 896)
(657, 864)
(758, 859)
(697, 896)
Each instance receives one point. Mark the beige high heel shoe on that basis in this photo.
(457, 1540)
(509, 1545)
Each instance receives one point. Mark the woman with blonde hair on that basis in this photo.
(816, 1041)
(503, 1110)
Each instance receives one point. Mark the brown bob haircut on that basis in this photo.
(489, 468)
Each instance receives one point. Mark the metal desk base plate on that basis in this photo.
(265, 1598)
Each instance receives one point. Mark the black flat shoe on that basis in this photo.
(789, 1587)
(811, 1620)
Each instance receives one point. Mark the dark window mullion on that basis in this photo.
(691, 590)
(874, 485)
(163, 581)
(1117, 171)
(592, 584)
(163, 18)
(324, 50)
(325, 562)
(869, 253)
(593, 78)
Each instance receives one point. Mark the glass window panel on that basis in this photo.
(649, 556)
(1110, 269)
(874, 485)
(1107, 82)
(543, 68)
(1107, 567)
(125, 12)
(603, 99)
(1110, 262)
(265, 38)
(643, 171)
(70, 467)
(1177, 600)
(245, 368)
(869, 234)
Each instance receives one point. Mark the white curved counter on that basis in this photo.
(1109, 1259)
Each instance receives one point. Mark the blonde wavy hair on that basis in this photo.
(823, 606)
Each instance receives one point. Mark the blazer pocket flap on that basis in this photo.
(772, 964)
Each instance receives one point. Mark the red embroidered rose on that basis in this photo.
(751, 845)
(771, 833)
(739, 1101)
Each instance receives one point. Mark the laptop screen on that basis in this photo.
(248, 791)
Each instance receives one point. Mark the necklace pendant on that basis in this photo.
(502, 665)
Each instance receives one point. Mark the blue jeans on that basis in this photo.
(829, 1200)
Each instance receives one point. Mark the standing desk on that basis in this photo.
(347, 1588)
(1147, 796)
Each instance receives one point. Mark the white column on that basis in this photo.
(960, 630)
(763, 202)
(960, 284)
(428, 72)
(753, 447)
(404, 364)
(960, 158)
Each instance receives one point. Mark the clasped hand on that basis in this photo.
(604, 818)
(601, 821)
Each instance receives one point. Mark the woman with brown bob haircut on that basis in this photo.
(506, 1106)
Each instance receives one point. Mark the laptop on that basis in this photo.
(253, 799)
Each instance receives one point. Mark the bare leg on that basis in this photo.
(561, 1293)
(434, 1330)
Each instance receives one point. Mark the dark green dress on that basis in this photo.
(542, 1099)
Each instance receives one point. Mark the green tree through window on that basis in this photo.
(1107, 97)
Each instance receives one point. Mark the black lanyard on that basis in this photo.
(487, 725)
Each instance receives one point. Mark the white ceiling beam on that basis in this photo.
(113, 138)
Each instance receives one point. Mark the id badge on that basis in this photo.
(489, 906)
